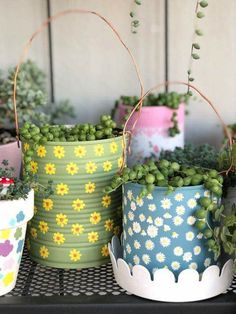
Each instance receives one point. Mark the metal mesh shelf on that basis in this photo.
(90, 291)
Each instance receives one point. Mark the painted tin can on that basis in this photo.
(71, 229)
(14, 217)
(151, 131)
(159, 229)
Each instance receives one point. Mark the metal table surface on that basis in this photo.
(48, 290)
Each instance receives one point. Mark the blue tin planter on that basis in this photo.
(159, 230)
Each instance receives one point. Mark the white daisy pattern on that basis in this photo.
(136, 259)
(165, 241)
(139, 201)
(178, 251)
(152, 207)
(178, 220)
(152, 231)
(137, 245)
(197, 195)
(197, 250)
(166, 203)
(191, 220)
(128, 248)
(149, 245)
(160, 257)
(207, 193)
(129, 195)
(133, 206)
(192, 203)
(179, 197)
(131, 216)
(159, 230)
(158, 221)
(150, 196)
(207, 262)
(146, 259)
(142, 217)
(189, 236)
(180, 210)
(136, 227)
(187, 257)
(175, 265)
(166, 228)
(193, 266)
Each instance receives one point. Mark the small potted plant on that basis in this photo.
(16, 209)
(160, 124)
(32, 99)
(168, 213)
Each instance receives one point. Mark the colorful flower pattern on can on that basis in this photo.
(11, 247)
(159, 230)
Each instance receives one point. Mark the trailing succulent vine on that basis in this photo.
(19, 188)
(34, 137)
(135, 22)
(195, 47)
(170, 100)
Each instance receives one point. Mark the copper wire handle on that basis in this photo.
(167, 83)
(41, 28)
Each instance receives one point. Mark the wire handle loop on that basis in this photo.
(45, 25)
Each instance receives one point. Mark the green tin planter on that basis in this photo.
(71, 229)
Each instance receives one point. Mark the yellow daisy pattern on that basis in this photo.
(62, 189)
(72, 168)
(44, 252)
(59, 152)
(93, 237)
(77, 229)
(34, 167)
(41, 151)
(58, 238)
(90, 167)
(113, 147)
(50, 169)
(95, 218)
(90, 187)
(78, 204)
(106, 201)
(26, 147)
(120, 162)
(99, 150)
(33, 232)
(105, 251)
(80, 151)
(75, 255)
(107, 166)
(61, 220)
(109, 225)
(43, 226)
(47, 204)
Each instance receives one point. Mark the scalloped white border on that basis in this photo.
(190, 286)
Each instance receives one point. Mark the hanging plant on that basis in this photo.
(135, 22)
(195, 47)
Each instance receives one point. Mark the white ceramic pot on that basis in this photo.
(14, 215)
